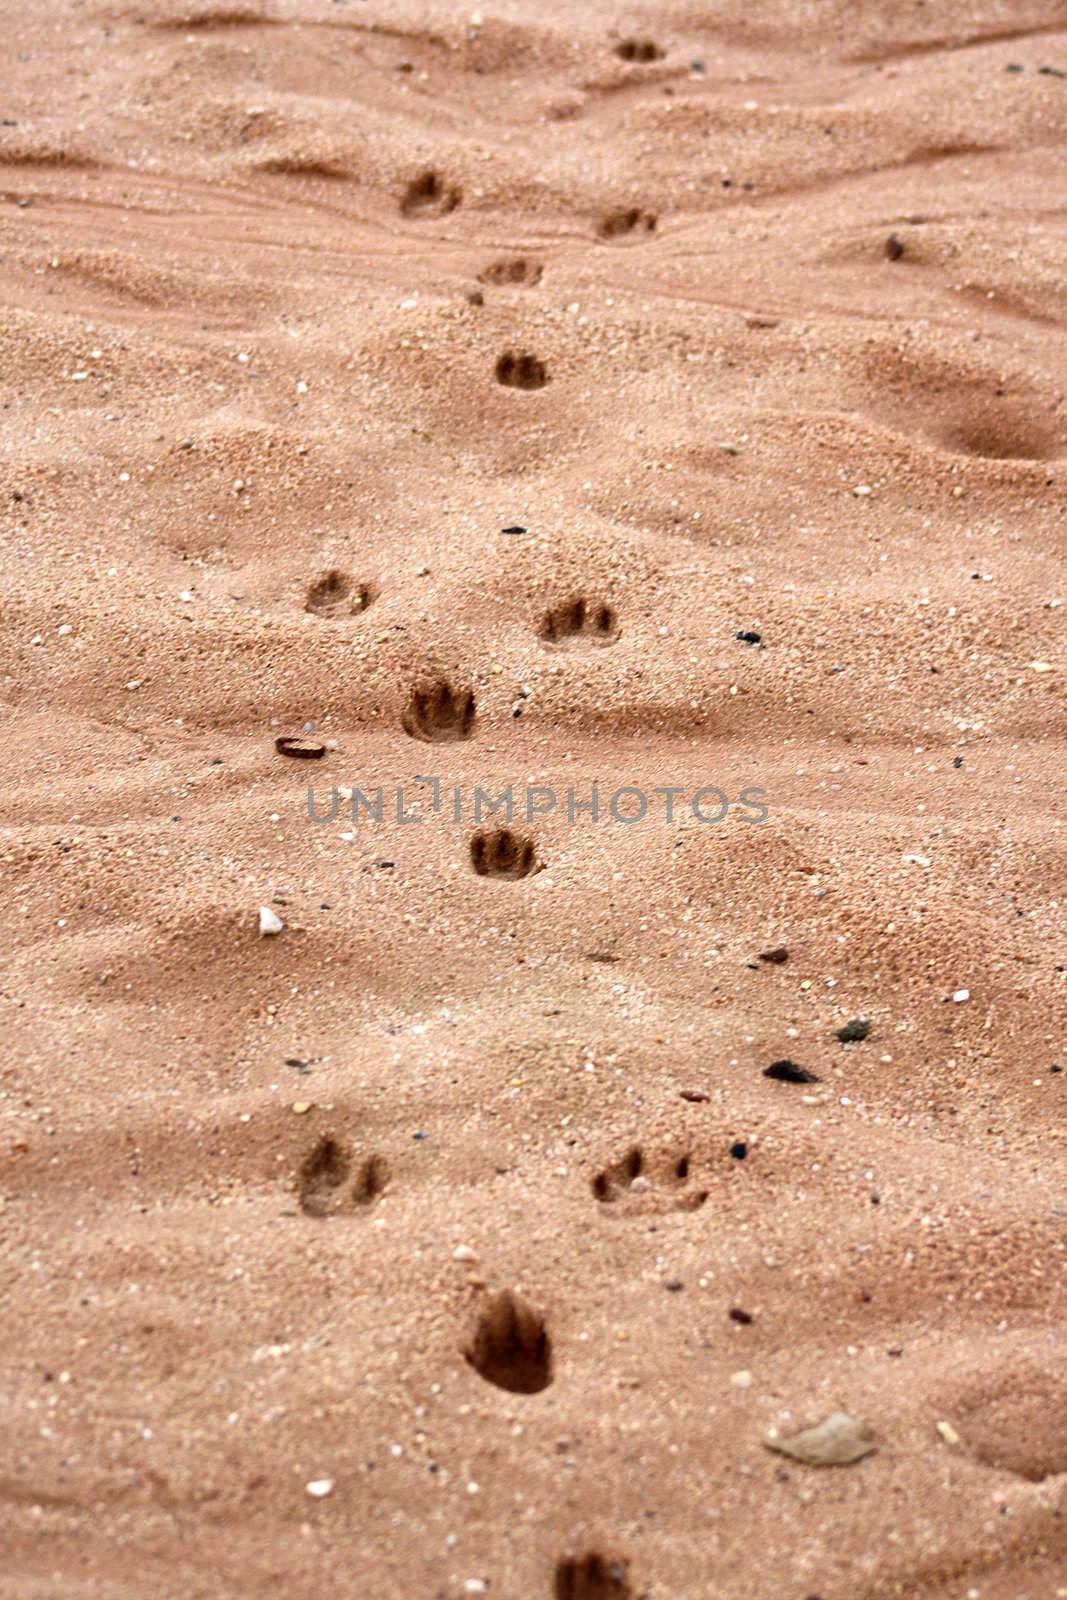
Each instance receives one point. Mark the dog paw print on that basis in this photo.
(513, 271)
(579, 623)
(324, 1187)
(639, 1185)
(429, 195)
(500, 853)
(626, 224)
(517, 369)
(591, 1577)
(639, 51)
(335, 595)
(439, 714)
(510, 1346)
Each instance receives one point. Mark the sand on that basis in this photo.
(452, 1240)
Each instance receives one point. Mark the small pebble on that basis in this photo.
(298, 748)
(853, 1031)
(836, 1441)
(776, 957)
(948, 1433)
(961, 995)
(269, 922)
(749, 636)
(739, 1150)
(319, 1488)
(789, 1072)
(893, 248)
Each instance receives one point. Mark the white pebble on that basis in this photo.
(269, 922)
(961, 995)
(319, 1488)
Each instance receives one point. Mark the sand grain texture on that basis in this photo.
(465, 1198)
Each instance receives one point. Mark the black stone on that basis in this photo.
(789, 1072)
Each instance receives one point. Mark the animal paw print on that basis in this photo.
(579, 622)
(510, 1346)
(500, 853)
(513, 270)
(631, 1181)
(627, 224)
(439, 714)
(335, 595)
(519, 370)
(640, 51)
(323, 1185)
(429, 195)
(591, 1577)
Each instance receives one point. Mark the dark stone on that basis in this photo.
(789, 1072)
(857, 1029)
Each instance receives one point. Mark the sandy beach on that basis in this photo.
(627, 451)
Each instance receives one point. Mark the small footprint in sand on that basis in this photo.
(510, 1346)
(323, 1184)
(335, 595)
(639, 50)
(591, 1577)
(429, 195)
(579, 622)
(439, 714)
(626, 225)
(514, 270)
(500, 853)
(520, 370)
(666, 1186)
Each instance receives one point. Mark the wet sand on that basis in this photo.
(452, 1239)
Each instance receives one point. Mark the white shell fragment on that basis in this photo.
(269, 922)
(834, 1442)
